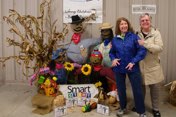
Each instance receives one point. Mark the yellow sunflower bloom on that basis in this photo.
(68, 66)
(86, 69)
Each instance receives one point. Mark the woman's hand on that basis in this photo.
(129, 66)
(115, 62)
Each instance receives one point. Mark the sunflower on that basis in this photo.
(86, 69)
(68, 66)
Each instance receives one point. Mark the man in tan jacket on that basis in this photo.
(150, 66)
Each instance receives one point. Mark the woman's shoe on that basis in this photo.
(121, 112)
(142, 115)
(156, 113)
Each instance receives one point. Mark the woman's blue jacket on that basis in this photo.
(127, 50)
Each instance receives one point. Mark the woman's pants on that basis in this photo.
(136, 84)
(154, 93)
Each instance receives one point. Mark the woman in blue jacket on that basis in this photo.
(125, 55)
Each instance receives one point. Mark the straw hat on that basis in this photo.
(105, 25)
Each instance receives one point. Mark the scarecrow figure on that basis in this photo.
(79, 49)
(104, 47)
(56, 66)
(96, 72)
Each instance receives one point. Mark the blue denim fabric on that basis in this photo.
(135, 80)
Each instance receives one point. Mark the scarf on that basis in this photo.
(76, 37)
(106, 42)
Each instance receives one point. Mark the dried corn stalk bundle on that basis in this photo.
(36, 44)
(172, 93)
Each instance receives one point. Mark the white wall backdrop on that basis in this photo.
(164, 20)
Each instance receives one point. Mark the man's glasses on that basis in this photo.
(146, 20)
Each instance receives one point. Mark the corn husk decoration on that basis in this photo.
(36, 44)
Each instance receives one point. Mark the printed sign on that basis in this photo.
(78, 91)
(60, 111)
(71, 102)
(82, 8)
(82, 102)
(102, 109)
(139, 9)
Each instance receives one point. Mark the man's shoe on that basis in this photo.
(133, 109)
(156, 113)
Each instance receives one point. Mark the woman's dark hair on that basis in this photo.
(117, 29)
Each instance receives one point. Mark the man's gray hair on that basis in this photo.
(144, 14)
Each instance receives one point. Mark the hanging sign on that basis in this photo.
(83, 8)
(139, 9)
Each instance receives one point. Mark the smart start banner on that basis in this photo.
(78, 91)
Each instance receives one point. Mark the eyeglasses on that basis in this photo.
(146, 20)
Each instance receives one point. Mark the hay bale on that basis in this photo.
(172, 93)
(43, 104)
